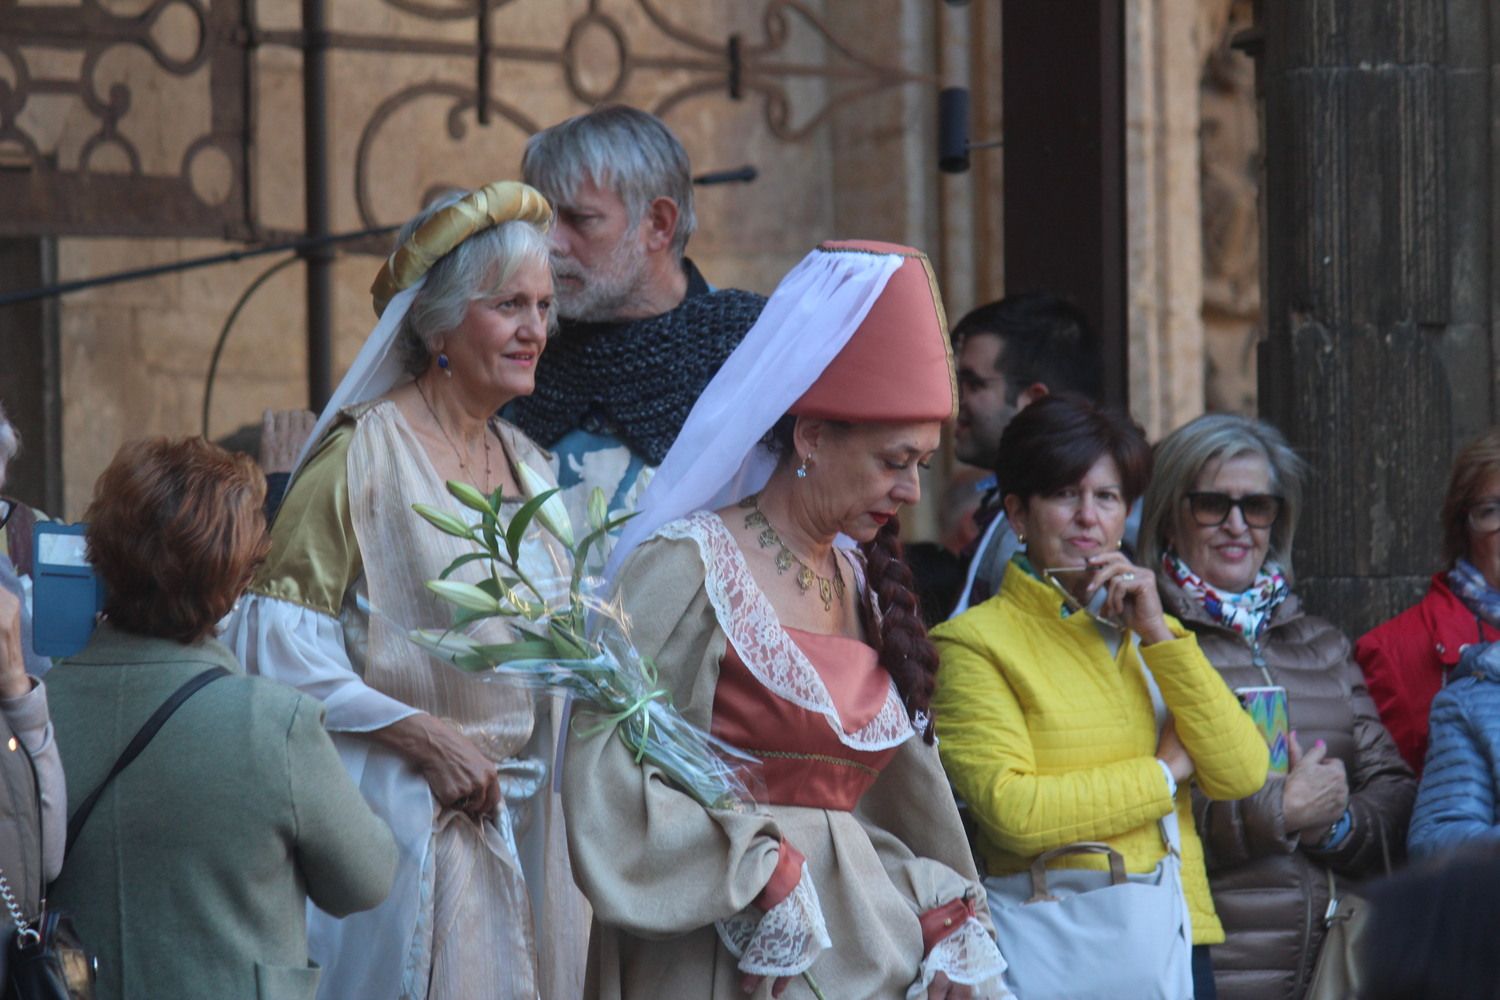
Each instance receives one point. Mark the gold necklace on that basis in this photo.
(828, 587)
(462, 465)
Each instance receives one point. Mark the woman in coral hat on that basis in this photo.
(764, 578)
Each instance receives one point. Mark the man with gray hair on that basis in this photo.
(641, 331)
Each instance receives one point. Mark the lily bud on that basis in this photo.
(553, 513)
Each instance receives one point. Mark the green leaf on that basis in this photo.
(522, 520)
(445, 645)
(470, 497)
(598, 508)
(568, 644)
(511, 651)
(465, 595)
(461, 561)
(446, 523)
(462, 618)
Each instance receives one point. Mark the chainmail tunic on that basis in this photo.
(638, 379)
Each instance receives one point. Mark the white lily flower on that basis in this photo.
(553, 513)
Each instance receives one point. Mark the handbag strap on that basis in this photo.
(17, 917)
(138, 743)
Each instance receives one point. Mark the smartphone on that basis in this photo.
(66, 596)
(1267, 708)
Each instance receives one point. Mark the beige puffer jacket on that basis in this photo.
(1271, 894)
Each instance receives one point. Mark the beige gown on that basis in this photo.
(846, 782)
(478, 911)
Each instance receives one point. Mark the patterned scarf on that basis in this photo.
(1470, 586)
(1246, 614)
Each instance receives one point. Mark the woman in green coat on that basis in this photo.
(190, 877)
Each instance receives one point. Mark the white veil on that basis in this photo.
(375, 371)
(717, 457)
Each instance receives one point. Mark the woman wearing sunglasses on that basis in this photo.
(1069, 708)
(1407, 660)
(1217, 525)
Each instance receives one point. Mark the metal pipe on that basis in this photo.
(318, 256)
(301, 246)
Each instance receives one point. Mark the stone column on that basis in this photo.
(1164, 48)
(1380, 291)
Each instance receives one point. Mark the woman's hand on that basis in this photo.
(750, 984)
(1316, 792)
(13, 680)
(1131, 596)
(460, 776)
(1171, 752)
(942, 989)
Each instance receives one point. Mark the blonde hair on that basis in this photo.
(1182, 456)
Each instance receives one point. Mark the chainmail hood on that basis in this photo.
(636, 379)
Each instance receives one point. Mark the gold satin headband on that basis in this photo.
(501, 201)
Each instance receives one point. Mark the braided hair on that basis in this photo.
(890, 608)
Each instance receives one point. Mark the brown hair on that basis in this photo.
(905, 651)
(1479, 460)
(175, 532)
(1056, 440)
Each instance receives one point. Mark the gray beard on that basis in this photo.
(607, 291)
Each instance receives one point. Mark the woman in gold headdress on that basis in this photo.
(455, 765)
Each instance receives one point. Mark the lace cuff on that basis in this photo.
(969, 957)
(783, 941)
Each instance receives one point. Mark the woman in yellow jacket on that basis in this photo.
(1068, 706)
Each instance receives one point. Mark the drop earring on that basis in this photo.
(443, 364)
(802, 469)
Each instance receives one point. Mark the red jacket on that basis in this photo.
(1406, 659)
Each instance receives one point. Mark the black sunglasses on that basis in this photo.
(1260, 510)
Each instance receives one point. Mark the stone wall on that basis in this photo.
(842, 150)
(135, 355)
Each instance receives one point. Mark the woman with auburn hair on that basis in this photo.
(806, 652)
(238, 811)
(1070, 706)
(1406, 660)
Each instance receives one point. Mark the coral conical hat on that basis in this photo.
(898, 364)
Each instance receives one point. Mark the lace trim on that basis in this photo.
(783, 941)
(747, 618)
(969, 957)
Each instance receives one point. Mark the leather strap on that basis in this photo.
(138, 743)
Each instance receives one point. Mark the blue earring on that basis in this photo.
(443, 364)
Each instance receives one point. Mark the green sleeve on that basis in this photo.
(314, 554)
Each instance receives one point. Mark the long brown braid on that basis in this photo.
(905, 651)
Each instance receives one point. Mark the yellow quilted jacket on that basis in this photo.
(1051, 739)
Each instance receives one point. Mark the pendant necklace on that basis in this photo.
(828, 587)
(462, 465)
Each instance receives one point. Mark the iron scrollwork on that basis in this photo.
(104, 185)
(100, 182)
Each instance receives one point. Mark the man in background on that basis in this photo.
(1009, 354)
(641, 331)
